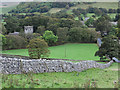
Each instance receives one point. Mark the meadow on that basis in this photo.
(92, 78)
(74, 51)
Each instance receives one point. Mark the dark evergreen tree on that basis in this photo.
(110, 47)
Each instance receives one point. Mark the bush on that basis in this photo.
(14, 42)
(37, 48)
(49, 37)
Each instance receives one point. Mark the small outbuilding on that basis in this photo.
(15, 33)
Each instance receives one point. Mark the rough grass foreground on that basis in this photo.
(92, 78)
(67, 51)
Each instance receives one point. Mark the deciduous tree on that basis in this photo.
(49, 37)
(38, 48)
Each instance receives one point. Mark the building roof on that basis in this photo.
(113, 23)
(15, 33)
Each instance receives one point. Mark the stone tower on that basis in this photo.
(28, 29)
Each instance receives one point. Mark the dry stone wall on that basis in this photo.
(18, 66)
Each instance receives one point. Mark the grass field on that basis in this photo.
(66, 51)
(55, 10)
(101, 78)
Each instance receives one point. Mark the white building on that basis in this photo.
(28, 29)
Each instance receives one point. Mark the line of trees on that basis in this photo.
(97, 11)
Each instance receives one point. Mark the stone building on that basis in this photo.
(28, 29)
(15, 33)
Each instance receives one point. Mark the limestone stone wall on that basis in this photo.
(17, 65)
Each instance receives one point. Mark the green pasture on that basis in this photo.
(55, 10)
(67, 51)
(89, 78)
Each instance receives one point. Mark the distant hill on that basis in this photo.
(7, 6)
(51, 7)
(41, 7)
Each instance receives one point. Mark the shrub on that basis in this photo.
(14, 42)
(37, 48)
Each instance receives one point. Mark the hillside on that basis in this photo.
(5, 7)
(41, 7)
(107, 5)
(53, 7)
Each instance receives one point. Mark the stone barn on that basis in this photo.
(28, 29)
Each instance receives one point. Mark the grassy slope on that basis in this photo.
(6, 9)
(107, 5)
(9, 6)
(73, 51)
(55, 10)
(104, 79)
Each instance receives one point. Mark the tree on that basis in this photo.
(49, 37)
(109, 47)
(119, 53)
(3, 29)
(67, 7)
(41, 30)
(97, 12)
(118, 24)
(117, 17)
(2, 40)
(103, 25)
(30, 36)
(89, 22)
(14, 42)
(118, 31)
(38, 48)
(12, 24)
(53, 28)
(62, 34)
(83, 35)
